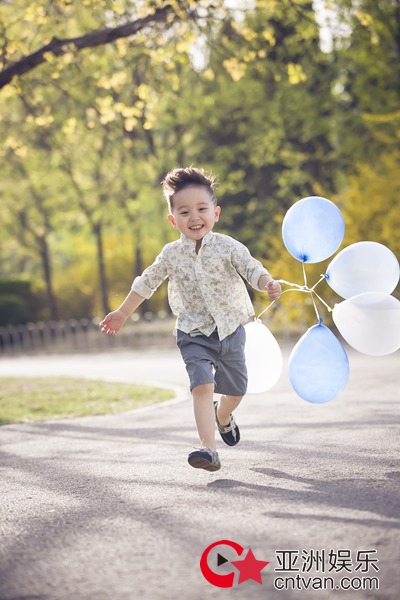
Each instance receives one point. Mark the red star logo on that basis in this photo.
(250, 567)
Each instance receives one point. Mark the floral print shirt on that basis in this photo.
(205, 290)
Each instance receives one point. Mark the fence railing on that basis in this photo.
(83, 335)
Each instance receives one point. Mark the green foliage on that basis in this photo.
(247, 93)
(245, 119)
(371, 205)
(18, 302)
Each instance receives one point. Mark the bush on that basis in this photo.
(17, 301)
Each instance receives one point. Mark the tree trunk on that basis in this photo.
(98, 233)
(143, 308)
(50, 298)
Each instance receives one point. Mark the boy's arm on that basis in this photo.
(271, 286)
(113, 322)
(142, 289)
(253, 271)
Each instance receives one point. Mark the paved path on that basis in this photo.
(107, 508)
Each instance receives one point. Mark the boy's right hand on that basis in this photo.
(113, 322)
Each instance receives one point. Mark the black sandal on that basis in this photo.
(229, 433)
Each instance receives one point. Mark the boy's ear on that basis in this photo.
(217, 212)
(172, 221)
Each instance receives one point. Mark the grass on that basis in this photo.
(25, 400)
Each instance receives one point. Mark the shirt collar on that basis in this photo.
(189, 243)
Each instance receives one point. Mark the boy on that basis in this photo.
(207, 294)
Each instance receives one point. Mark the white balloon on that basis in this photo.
(363, 267)
(263, 358)
(370, 322)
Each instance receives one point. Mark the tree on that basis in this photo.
(165, 15)
(80, 120)
(240, 116)
(366, 53)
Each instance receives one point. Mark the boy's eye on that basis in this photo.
(202, 209)
(184, 213)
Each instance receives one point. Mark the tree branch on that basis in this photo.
(90, 40)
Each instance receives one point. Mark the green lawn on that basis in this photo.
(25, 400)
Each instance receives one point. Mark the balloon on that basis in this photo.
(318, 366)
(263, 358)
(363, 267)
(313, 229)
(369, 322)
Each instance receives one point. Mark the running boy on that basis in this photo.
(207, 294)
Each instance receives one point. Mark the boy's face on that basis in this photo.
(193, 212)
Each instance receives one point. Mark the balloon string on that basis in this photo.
(320, 299)
(284, 292)
(296, 285)
(301, 288)
(318, 282)
(304, 274)
(315, 308)
(265, 309)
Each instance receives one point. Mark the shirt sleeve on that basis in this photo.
(146, 284)
(246, 265)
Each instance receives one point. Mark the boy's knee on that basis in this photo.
(203, 388)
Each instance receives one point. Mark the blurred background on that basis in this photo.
(280, 99)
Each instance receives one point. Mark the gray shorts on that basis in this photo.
(208, 360)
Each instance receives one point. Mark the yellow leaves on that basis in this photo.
(376, 122)
(113, 82)
(44, 120)
(14, 47)
(182, 46)
(122, 45)
(130, 115)
(295, 74)
(235, 69)
(148, 124)
(49, 57)
(130, 123)
(34, 13)
(367, 21)
(269, 36)
(144, 91)
(118, 7)
(209, 74)
(127, 111)
(249, 34)
(64, 59)
(10, 90)
(69, 127)
(106, 109)
(16, 146)
(109, 110)
(381, 118)
(91, 116)
(371, 201)
(68, 58)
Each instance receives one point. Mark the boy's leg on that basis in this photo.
(226, 406)
(204, 414)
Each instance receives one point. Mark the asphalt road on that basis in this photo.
(107, 508)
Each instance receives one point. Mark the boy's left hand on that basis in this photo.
(274, 289)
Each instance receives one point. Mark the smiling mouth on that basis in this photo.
(196, 227)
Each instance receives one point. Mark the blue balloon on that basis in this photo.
(313, 229)
(318, 366)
